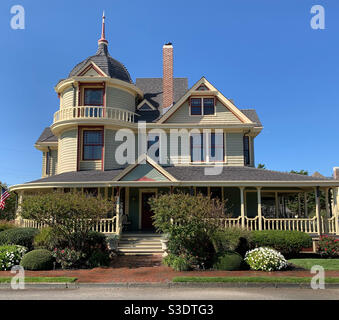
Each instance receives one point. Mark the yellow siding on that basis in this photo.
(223, 116)
(90, 165)
(116, 98)
(67, 98)
(234, 149)
(67, 155)
(43, 172)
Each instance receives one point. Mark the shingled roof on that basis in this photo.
(106, 63)
(47, 136)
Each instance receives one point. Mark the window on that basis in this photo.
(246, 150)
(202, 106)
(93, 144)
(195, 106)
(93, 97)
(207, 150)
(208, 106)
(153, 146)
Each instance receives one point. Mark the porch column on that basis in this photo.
(117, 212)
(259, 208)
(335, 208)
(18, 218)
(242, 207)
(299, 204)
(305, 204)
(276, 205)
(317, 209)
(327, 205)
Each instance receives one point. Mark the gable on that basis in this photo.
(145, 105)
(91, 70)
(225, 110)
(144, 172)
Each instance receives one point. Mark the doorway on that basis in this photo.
(146, 212)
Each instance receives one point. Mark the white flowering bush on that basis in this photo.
(265, 259)
(11, 256)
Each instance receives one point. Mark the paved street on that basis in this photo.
(98, 293)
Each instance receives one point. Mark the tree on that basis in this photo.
(67, 213)
(261, 166)
(9, 212)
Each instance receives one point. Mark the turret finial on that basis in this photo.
(103, 38)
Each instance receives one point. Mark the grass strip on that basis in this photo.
(253, 279)
(41, 279)
(327, 264)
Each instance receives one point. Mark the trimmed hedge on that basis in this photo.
(5, 225)
(19, 236)
(229, 261)
(40, 259)
(289, 243)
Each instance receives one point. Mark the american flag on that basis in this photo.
(4, 195)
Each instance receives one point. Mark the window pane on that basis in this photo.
(197, 151)
(93, 137)
(92, 152)
(93, 97)
(217, 147)
(196, 106)
(208, 106)
(246, 150)
(153, 146)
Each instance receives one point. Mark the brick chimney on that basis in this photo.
(167, 81)
(336, 173)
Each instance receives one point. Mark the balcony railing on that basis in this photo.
(94, 112)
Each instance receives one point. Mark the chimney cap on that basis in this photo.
(168, 44)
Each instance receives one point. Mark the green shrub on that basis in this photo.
(231, 239)
(44, 239)
(229, 261)
(68, 258)
(178, 263)
(289, 243)
(328, 247)
(98, 258)
(40, 259)
(5, 225)
(265, 259)
(19, 236)
(10, 255)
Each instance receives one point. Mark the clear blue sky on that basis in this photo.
(263, 54)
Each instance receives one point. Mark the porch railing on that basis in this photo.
(308, 225)
(109, 225)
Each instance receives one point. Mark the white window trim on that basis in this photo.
(202, 107)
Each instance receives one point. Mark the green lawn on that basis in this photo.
(252, 279)
(41, 279)
(327, 264)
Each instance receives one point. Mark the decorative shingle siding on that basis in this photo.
(223, 116)
(67, 155)
(116, 98)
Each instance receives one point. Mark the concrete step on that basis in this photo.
(140, 246)
(140, 250)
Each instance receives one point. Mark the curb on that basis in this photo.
(167, 285)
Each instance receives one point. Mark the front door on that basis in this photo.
(146, 213)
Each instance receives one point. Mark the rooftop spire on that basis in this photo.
(103, 39)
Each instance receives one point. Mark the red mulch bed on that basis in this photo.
(149, 269)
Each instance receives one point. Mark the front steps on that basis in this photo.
(140, 244)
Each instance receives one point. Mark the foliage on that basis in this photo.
(67, 213)
(19, 236)
(328, 246)
(261, 166)
(287, 242)
(10, 255)
(9, 211)
(40, 259)
(189, 222)
(265, 259)
(229, 261)
(327, 264)
(231, 239)
(178, 263)
(68, 258)
(98, 258)
(5, 225)
(44, 239)
(112, 242)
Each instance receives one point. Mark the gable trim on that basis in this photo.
(147, 102)
(227, 103)
(149, 161)
(91, 65)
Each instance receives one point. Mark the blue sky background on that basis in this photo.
(263, 54)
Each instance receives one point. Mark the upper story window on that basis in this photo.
(207, 148)
(153, 146)
(93, 97)
(92, 144)
(246, 143)
(202, 106)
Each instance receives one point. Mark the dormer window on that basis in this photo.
(93, 97)
(202, 106)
